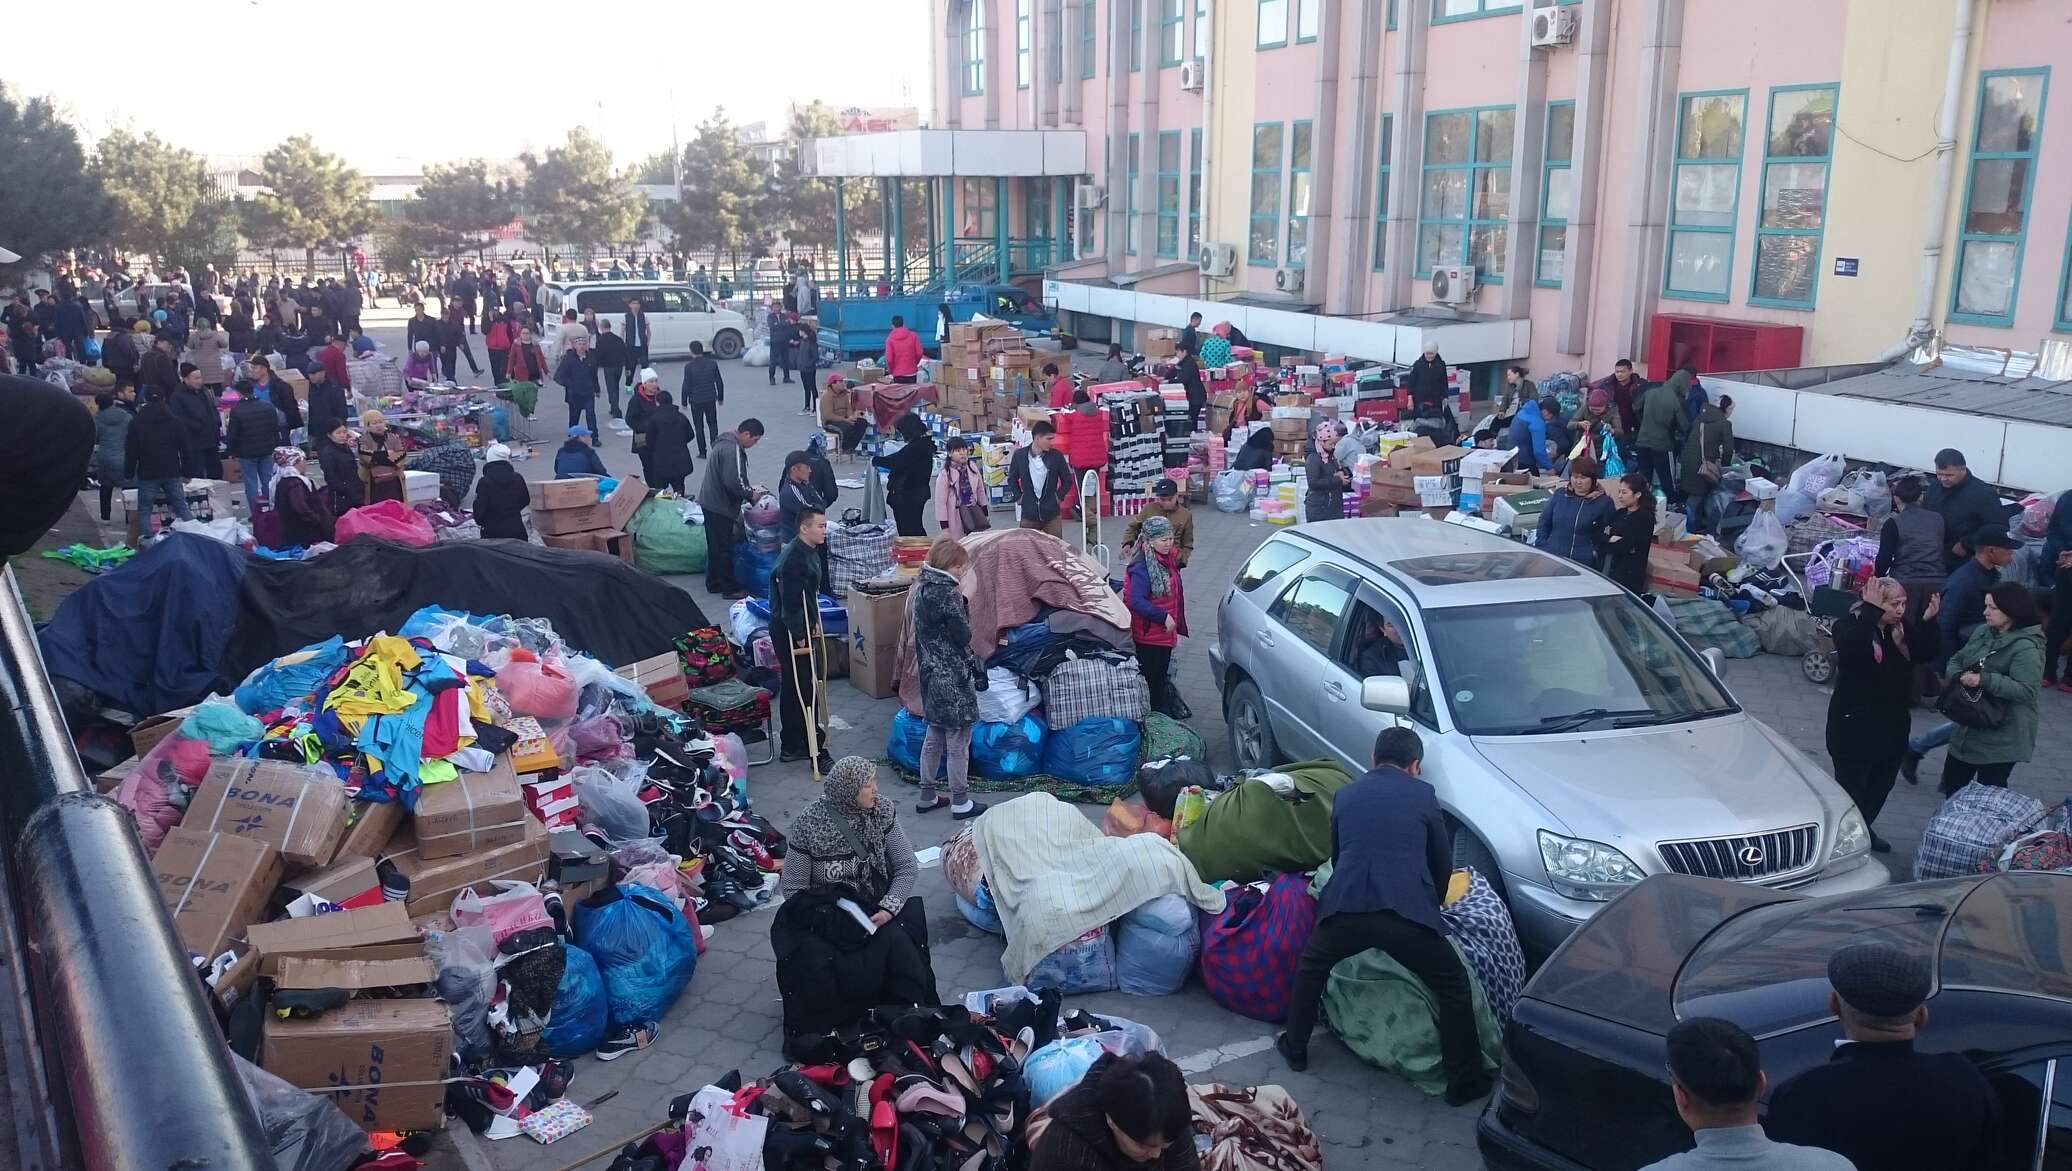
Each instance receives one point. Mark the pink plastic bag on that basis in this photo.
(157, 789)
(390, 520)
(598, 738)
(535, 689)
(515, 907)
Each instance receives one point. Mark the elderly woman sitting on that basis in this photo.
(851, 935)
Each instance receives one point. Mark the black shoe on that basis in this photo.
(971, 809)
(1880, 845)
(623, 1041)
(736, 595)
(826, 762)
(790, 756)
(1298, 1060)
(616, 414)
(1178, 709)
(1910, 767)
(931, 806)
(1473, 1089)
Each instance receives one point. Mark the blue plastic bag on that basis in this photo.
(276, 684)
(1086, 964)
(752, 569)
(1001, 752)
(979, 910)
(643, 948)
(834, 615)
(1101, 751)
(1058, 1066)
(1156, 946)
(903, 743)
(580, 1008)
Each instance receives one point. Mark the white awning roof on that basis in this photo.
(922, 154)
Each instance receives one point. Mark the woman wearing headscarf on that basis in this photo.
(1876, 648)
(911, 468)
(1597, 414)
(1328, 479)
(381, 459)
(831, 967)
(305, 518)
(1157, 605)
(958, 488)
(2002, 659)
(501, 497)
(951, 678)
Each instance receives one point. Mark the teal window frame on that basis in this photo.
(1194, 191)
(2062, 319)
(1136, 34)
(1172, 32)
(1379, 258)
(1129, 204)
(1088, 21)
(1314, 10)
(1730, 229)
(1024, 62)
(1300, 163)
(1261, 21)
(1483, 10)
(1201, 24)
(1167, 207)
(974, 48)
(1271, 214)
(1467, 221)
(1965, 236)
(1036, 221)
(1548, 221)
(1818, 234)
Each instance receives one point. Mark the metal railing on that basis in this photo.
(122, 1065)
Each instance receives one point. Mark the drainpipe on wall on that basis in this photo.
(1323, 152)
(1407, 156)
(1579, 269)
(1116, 181)
(1207, 37)
(1923, 327)
(1356, 221)
(1661, 48)
(1528, 148)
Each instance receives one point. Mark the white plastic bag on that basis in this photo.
(515, 907)
(1817, 476)
(727, 1136)
(1871, 487)
(1007, 697)
(743, 625)
(226, 529)
(610, 804)
(757, 355)
(1233, 490)
(1764, 541)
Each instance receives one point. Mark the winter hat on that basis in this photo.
(1599, 399)
(363, 344)
(499, 451)
(422, 347)
(649, 374)
(1155, 526)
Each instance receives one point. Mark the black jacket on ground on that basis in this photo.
(1965, 509)
(668, 443)
(1867, 717)
(1077, 1137)
(501, 499)
(341, 467)
(157, 441)
(1041, 507)
(1887, 1108)
(253, 429)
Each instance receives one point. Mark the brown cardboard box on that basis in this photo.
(381, 1061)
(580, 542)
(876, 618)
(434, 882)
(373, 824)
(353, 974)
(562, 521)
(1669, 568)
(1393, 477)
(652, 667)
(344, 884)
(1159, 343)
(625, 500)
(382, 931)
(215, 885)
(669, 693)
(612, 543)
(296, 810)
(146, 735)
(1438, 461)
(473, 811)
(576, 492)
(871, 667)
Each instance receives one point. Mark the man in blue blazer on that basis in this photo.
(1390, 863)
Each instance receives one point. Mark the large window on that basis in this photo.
(1036, 210)
(974, 48)
(1087, 21)
(1130, 201)
(1445, 10)
(1311, 608)
(1172, 29)
(1298, 195)
(1306, 17)
(1465, 203)
(1263, 244)
(1706, 195)
(1201, 27)
(2004, 140)
(1194, 192)
(1021, 44)
(2064, 321)
(1273, 23)
(1555, 197)
(1381, 192)
(1136, 34)
(976, 208)
(1796, 153)
(1168, 242)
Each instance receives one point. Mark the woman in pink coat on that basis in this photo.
(959, 483)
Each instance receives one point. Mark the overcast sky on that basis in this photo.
(434, 80)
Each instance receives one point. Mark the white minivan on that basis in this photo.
(677, 315)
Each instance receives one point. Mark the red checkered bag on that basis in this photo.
(1249, 949)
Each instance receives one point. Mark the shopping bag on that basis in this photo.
(1250, 948)
(720, 1128)
(515, 907)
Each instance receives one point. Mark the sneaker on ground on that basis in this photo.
(623, 1041)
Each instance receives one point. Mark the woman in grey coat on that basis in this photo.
(951, 678)
(1328, 479)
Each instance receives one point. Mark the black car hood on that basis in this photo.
(1622, 964)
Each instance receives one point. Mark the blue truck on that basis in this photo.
(855, 327)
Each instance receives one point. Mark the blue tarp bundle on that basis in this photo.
(150, 636)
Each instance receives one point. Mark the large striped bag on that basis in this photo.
(1250, 948)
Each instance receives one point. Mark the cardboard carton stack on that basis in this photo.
(662, 677)
(567, 514)
(984, 365)
(473, 812)
(1435, 473)
(874, 626)
(1159, 344)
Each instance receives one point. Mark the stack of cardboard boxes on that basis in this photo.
(984, 365)
(567, 514)
(1159, 345)
(662, 677)
(875, 620)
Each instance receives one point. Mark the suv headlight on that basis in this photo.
(1580, 869)
(1852, 834)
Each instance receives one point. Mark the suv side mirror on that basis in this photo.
(1382, 693)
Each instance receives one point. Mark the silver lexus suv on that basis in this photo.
(1576, 741)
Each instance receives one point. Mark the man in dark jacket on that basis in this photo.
(1625, 388)
(794, 619)
(119, 354)
(724, 493)
(611, 363)
(423, 327)
(704, 389)
(251, 433)
(1391, 858)
(1966, 503)
(153, 456)
(327, 402)
(1039, 478)
(638, 338)
(668, 445)
(158, 374)
(501, 496)
(780, 345)
(577, 374)
(1964, 593)
(1662, 427)
(191, 404)
(72, 326)
(1877, 1102)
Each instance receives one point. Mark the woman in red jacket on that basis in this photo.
(497, 339)
(1158, 607)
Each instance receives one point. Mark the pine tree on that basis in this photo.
(164, 201)
(574, 197)
(459, 205)
(49, 200)
(312, 199)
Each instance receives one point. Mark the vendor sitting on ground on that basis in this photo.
(1126, 1114)
(849, 845)
(577, 457)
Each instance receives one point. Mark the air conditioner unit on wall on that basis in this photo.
(1453, 284)
(1091, 195)
(1217, 260)
(1194, 75)
(1287, 280)
(1552, 27)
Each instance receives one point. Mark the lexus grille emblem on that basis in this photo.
(1750, 855)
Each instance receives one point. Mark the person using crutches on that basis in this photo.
(795, 632)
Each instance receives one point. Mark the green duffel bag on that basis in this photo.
(662, 542)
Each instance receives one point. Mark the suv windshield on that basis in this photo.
(1564, 665)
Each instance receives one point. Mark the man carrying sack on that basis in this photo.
(795, 633)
